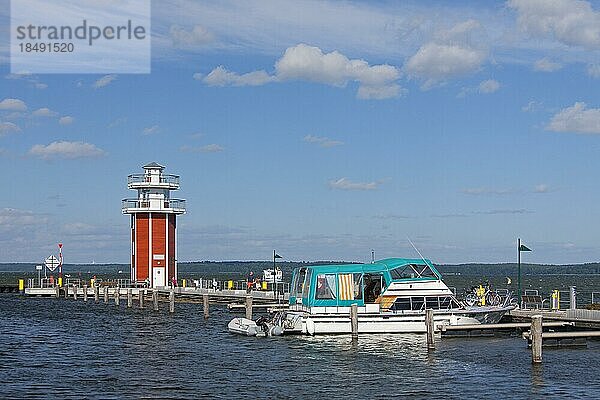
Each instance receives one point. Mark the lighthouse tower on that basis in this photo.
(153, 225)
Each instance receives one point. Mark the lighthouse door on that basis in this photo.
(158, 275)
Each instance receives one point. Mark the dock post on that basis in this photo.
(248, 307)
(172, 301)
(129, 298)
(96, 293)
(118, 296)
(141, 294)
(205, 305)
(105, 294)
(57, 288)
(536, 339)
(354, 320)
(85, 293)
(66, 291)
(75, 292)
(573, 298)
(155, 299)
(429, 325)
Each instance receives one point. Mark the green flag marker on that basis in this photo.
(524, 248)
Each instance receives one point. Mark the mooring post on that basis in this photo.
(172, 301)
(105, 294)
(118, 296)
(96, 293)
(155, 299)
(57, 288)
(354, 320)
(85, 293)
(430, 329)
(205, 305)
(74, 292)
(66, 291)
(129, 298)
(572, 298)
(141, 294)
(248, 307)
(536, 339)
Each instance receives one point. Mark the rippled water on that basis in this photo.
(56, 348)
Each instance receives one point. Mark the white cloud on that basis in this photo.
(39, 85)
(531, 106)
(486, 191)
(104, 81)
(541, 188)
(209, 148)
(571, 22)
(545, 65)
(593, 70)
(222, 77)
(347, 184)
(489, 86)
(13, 105)
(577, 119)
(44, 112)
(450, 54)
(322, 141)
(66, 120)
(150, 130)
(66, 150)
(309, 63)
(8, 127)
(12, 219)
(196, 37)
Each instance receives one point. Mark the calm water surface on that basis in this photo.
(56, 348)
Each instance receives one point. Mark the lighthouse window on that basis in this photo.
(326, 288)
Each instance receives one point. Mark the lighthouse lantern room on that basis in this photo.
(153, 225)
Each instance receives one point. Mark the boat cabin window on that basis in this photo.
(298, 282)
(306, 284)
(326, 287)
(412, 271)
(417, 303)
(350, 286)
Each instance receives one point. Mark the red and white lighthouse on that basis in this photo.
(153, 225)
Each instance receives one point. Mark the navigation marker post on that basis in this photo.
(60, 258)
(520, 248)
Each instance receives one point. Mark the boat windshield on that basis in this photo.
(298, 282)
(411, 271)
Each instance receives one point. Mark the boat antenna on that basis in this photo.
(417, 250)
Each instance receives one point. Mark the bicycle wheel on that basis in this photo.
(471, 299)
(493, 299)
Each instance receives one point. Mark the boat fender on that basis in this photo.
(276, 330)
(310, 326)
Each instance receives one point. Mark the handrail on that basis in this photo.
(166, 204)
(144, 178)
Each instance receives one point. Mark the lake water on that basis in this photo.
(56, 348)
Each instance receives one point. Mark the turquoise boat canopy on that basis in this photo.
(345, 284)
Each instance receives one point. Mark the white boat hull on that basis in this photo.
(317, 324)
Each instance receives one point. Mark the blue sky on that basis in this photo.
(322, 130)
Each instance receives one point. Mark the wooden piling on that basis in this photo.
(572, 297)
(155, 299)
(129, 298)
(105, 294)
(85, 293)
(66, 291)
(354, 320)
(536, 339)
(74, 292)
(205, 305)
(57, 288)
(118, 296)
(249, 307)
(172, 301)
(141, 294)
(429, 325)
(96, 293)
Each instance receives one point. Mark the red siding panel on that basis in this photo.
(141, 255)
